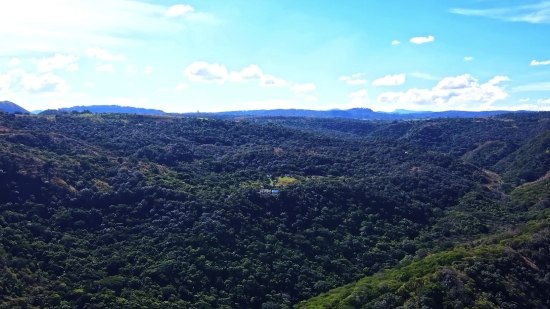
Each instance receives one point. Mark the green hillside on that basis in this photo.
(507, 270)
(136, 211)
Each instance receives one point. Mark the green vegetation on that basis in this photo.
(500, 271)
(135, 211)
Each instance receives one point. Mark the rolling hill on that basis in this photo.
(11, 107)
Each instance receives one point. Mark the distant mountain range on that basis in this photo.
(354, 113)
(11, 107)
(113, 109)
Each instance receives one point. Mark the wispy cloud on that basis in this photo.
(57, 62)
(201, 71)
(357, 81)
(100, 67)
(148, 70)
(301, 88)
(535, 62)
(181, 87)
(178, 10)
(422, 39)
(353, 79)
(534, 13)
(532, 87)
(468, 58)
(390, 80)
(102, 54)
(14, 62)
(359, 97)
(425, 76)
(395, 42)
(71, 26)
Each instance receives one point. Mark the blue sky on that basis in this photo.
(213, 55)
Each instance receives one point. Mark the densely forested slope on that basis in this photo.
(483, 141)
(507, 270)
(130, 211)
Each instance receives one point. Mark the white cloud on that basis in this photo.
(164, 89)
(205, 72)
(425, 76)
(311, 98)
(532, 87)
(390, 80)
(57, 62)
(19, 81)
(104, 55)
(422, 39)
(178, 10)
(538, 13)
(359, 97)
(131, 69)
(299, 88)
(396, 42)
(524, 100)
(468, 58)
(100, 67)
(357, 82)
(528, 107)
(272, 81)
(89, 85)
(72, 26)
(181, 87)
(535, 62)
(359, 94)
(307, 97)
(252, 72)
(451, 90)
(148, 70)
(14, 62)
(352, 79)
(547, 101)
(498, 79)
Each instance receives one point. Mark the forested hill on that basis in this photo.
(10, 107)
(105, 109)
(144, 211)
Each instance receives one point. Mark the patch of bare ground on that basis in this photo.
(492, 179)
